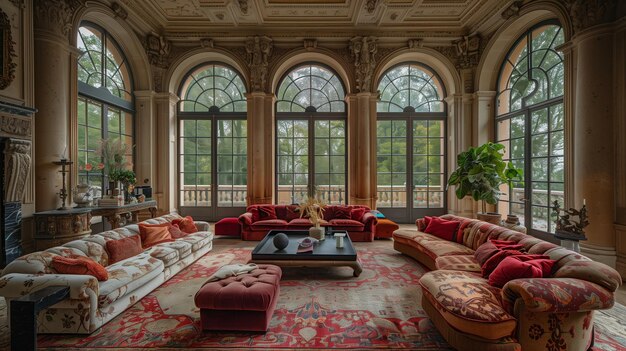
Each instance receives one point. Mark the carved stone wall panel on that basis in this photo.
(588, 13)
(7, 71)
(258, 51)
(17, 167)
(15, 126)
(363, 50)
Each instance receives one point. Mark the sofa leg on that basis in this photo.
(24, 313)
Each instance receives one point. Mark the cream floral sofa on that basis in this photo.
(91, 304)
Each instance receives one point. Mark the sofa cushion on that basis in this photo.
(152, 234)
(443, 228)
(182, 246)
(168, 255)
(357, 213)
(92, 249)
(438, 248)
(198, 240)
(467, 263)
(300, 222)
(346, 224)
(495, 260)
(269, 224)
(490, 248)
(123, 248)
(128, 275)
(468, 303)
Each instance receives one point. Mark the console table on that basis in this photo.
(56, 227)
(117, 215)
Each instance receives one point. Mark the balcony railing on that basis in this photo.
(396, 196)
(227, 195)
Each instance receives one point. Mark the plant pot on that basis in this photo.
(512, 219)
(317, 233)
(490, 217)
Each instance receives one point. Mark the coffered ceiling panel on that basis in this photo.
(291, 17)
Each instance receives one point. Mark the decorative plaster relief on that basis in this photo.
(16, 168)
(512, 11)
(258, 50)
(7, 50)
(207, 43)
(243, 6)
(363, 50)
(310, 44)
(119, 10)
(464, 53)
(415, 43)
(158, 50)
(370, 5)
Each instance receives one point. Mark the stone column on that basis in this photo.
(146, 137)
(53, 60)
(620, 157)
(362, 148)
(594, 178)
(164, 187)
(459, 135)
(261, 155)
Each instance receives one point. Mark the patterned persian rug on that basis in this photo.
(319, 308)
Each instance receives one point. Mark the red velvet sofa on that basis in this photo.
(287, 217)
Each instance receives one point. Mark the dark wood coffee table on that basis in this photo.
(325, 253)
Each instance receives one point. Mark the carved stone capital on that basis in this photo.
(363, 51)
(258, 51)
(158, 50)
(588, 13)
(55, 16)
(16, 168)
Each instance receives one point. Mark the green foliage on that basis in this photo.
(123, 175)
(481, 171)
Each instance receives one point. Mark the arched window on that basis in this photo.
(213, 142)
(311, 136)
(105, 101)
(411, 143)
(530, 123)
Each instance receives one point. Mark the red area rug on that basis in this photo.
(322, 308)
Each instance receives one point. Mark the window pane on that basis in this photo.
(310, 87)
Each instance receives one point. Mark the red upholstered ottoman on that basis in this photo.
(244, 302)
(385, 228)
(228, 226)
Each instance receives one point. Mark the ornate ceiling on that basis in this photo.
(182, 20)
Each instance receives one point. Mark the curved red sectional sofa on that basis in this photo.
(554, 312)
(287, 218)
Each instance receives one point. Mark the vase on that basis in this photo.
(317, 232)
(490, 217)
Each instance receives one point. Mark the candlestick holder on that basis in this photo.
(66, 166)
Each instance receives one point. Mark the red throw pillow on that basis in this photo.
(293, 212)
(75, 264)
(123, 248)
(516, 267)
(152, 234)
(358, 213)
(493, 261)
(490, 248)
(442, 228)
(342, 212)
(263, 212)
(422, 224)
(176, 232)
(186, 224)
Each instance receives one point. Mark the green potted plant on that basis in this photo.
(480, 172)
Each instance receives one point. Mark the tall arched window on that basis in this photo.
(530, 123)
(411, 143)
(311, 136)
(213, 144)
(105, 101)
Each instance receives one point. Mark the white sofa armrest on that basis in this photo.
(19, 284)
(202, 226)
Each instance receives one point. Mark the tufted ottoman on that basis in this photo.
(385, 228)
(243, 302)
